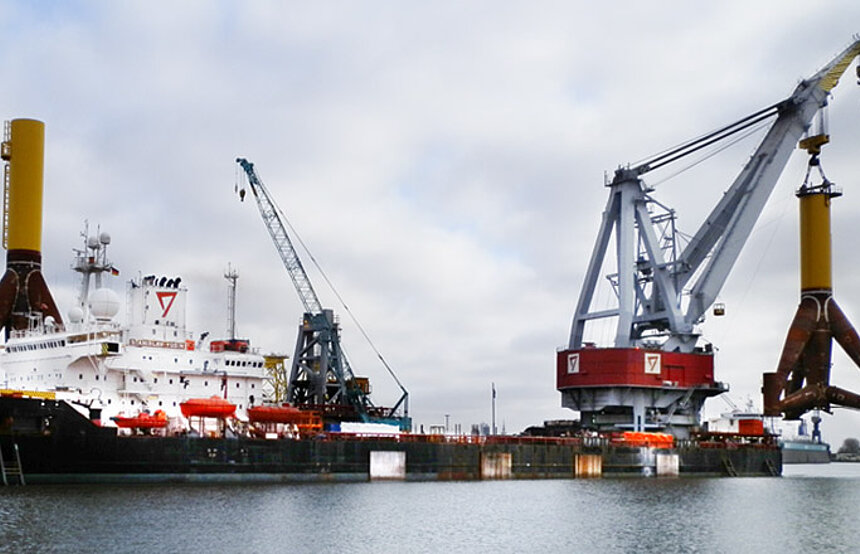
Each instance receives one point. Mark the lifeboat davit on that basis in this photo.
(207, 407)
(275, 414)
(157, 420)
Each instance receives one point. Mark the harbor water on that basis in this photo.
(812, 508)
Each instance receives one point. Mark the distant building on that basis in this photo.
(480, 429)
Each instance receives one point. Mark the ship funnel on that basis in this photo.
(25, 300)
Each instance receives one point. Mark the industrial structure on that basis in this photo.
(320, 376)
(25, 301)
(801, 382)
(657, 373)
(94, 400)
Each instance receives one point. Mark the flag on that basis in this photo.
(494, 390)
(114, 271)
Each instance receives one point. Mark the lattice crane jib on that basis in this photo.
(320, 374)
(276, 225)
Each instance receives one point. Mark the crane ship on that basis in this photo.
(87, 398)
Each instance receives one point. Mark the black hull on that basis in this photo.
(57, 444)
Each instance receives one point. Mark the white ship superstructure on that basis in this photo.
(150, 363)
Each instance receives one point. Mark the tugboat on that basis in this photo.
(803, 448)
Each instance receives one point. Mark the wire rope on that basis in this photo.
(340, 299)
(711, 154)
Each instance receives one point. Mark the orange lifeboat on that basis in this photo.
(656, 440)
(157, 420)
(275, 414)
(207, 407)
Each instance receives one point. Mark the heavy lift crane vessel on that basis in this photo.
(320, 375)
(657, 375)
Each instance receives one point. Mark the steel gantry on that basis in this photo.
(662, 291)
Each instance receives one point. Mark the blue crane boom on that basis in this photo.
(276, 225)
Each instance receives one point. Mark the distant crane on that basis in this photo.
(320, 375)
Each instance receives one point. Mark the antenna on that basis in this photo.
(232, 275)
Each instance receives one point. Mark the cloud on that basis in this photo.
(443, 162)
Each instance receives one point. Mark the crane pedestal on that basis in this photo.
(316, 377)
(633, 389)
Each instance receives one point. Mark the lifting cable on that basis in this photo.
(697, 144)
(711, 154)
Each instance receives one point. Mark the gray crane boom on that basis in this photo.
(651, 277)
(733, 218)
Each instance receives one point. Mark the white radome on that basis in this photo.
(104, 304)
(76, 315)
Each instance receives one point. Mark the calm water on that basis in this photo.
(810, 509)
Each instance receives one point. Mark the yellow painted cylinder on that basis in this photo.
(26, 173)
(815, 262)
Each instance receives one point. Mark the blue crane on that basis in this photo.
(320, 375)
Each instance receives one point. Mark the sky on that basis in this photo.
(443, 161)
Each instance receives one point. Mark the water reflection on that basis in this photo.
(806, 510)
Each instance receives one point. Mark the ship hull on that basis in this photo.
(805, 452)
(58, 445)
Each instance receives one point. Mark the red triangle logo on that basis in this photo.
(166, 300)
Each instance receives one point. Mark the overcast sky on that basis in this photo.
(444, 161)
